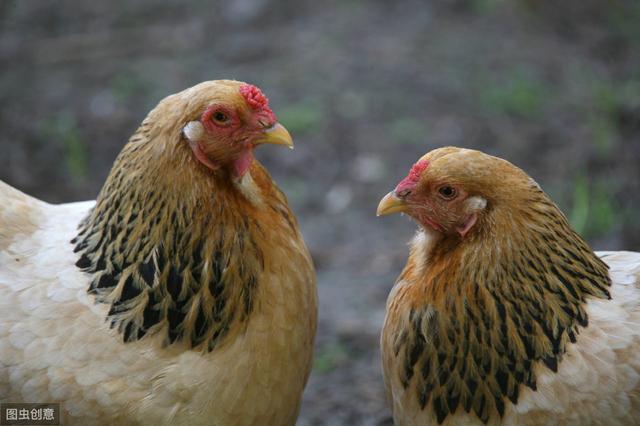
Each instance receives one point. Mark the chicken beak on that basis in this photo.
(391, 204)
(276, 135)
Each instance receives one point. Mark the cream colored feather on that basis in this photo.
(55, 345)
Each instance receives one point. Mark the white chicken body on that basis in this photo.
(597, 382)
(55, 345)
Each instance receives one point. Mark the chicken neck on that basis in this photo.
(167, 246)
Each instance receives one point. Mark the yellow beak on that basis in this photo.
(391, 204)
(277, 135)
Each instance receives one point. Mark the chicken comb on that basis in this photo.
(413, 177)
(254, 97)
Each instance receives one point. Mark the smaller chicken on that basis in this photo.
(503, 314)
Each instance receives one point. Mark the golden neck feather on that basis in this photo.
(173, 247)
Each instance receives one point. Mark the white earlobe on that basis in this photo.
(193, 131)
(475, 204)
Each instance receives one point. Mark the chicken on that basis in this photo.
(503, 314)
(184, 295)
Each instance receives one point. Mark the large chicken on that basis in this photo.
(503, 314)
(184, 295)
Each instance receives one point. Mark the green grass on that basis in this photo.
(63, 130)
(129, 84)
(622, 19)
(608, 99)
(301, 118)
(604, 133)
(601, 119)
(604, 214)
(580, 210)
(593, 213)
(353, 105)
(295, 188)
(329, 357)
(517, 94)
(408, 130)
(485, 6)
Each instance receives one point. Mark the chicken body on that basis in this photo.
(193, 302)
(503, 315)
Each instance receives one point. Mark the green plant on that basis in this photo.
(301, 118)
(128, 84)
(580, 210)
(622, 19)
(62, 129)
(517, 94)
(593, 212)
(329, 357)
(408, 130)
(485, 6)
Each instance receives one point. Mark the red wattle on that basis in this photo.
(468, 223)
(201, 156)
(433, 224)
(242, 164)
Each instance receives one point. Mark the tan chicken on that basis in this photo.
(184, 295)
(503, 314)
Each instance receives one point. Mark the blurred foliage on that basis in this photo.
(623, 19)
(580, 211)
(353, 105)
(593, 213)
(408, 130)
(485, 6)
(63, 130)
(330, 356)
(301, 118)
(294, 188)
(611, 102)
(517, 93)
(601, 121)
(129, 84)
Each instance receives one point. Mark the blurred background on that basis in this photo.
(365, 87)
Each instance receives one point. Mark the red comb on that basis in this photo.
(254, 97)
(413, 177)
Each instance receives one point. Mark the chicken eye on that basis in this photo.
(219, 117)
(447, 192)
(404, 193)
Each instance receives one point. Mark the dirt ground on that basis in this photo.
(365, 87)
